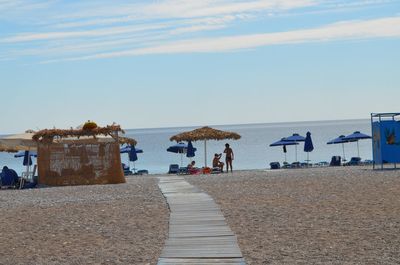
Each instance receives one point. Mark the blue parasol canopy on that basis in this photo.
(179, 148)
(356, 136)
(27, 155)
(128, 148)
(283, 142)
(295, 138)
(22, 154)
(190, 150)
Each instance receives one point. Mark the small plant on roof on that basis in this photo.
(89, 125)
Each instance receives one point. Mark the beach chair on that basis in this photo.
(183, 171)
(216, 170)
(335, 161)
(354, 161)
(173, 169)
(275, 165)
(126, 169)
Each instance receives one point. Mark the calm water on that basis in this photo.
(252, 151)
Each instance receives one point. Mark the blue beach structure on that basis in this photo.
(385, 138)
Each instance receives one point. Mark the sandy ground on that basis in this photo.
(311, 216)
(299, 216)
(110, 224)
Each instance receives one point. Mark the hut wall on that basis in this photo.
(81, 163)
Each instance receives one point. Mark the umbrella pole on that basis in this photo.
(295, 146)
(181, 159)
(358, 150)
(205, 153)
(285, 158)
(344, 157)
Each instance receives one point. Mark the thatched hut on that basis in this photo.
(80, 156)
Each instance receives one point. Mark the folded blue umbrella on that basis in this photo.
(308, 144)
(190, 150)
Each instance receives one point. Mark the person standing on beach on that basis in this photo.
(229, 157)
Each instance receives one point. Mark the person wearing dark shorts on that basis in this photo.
(229, 157)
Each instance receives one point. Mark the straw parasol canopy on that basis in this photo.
(17, 142)
(204, 134)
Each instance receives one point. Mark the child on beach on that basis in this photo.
(192, 169)
(229, 157)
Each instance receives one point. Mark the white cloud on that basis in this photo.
(378, 28)
(26, 37)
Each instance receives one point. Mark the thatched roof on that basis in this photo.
(205, 133)
(48, 135)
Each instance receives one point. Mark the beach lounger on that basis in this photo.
(173, 169)
(354, 161)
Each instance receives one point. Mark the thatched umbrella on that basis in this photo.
(204, 134)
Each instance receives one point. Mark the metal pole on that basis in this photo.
(358, 150)
(344, 156)
(372, 133)
(205, 153)
(181, 159)
(295, 146)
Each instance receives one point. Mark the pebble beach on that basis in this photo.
(345, 215)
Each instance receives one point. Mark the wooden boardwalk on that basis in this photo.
(198, 233)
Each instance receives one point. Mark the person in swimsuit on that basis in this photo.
(229, 157)
(217, 163)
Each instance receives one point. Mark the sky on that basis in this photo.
(167, 63)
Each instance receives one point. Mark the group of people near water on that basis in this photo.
(216, 163)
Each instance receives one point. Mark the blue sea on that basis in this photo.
(252, 151)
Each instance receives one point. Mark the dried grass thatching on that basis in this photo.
(205, 133)
(48, 135)
(126, 140)
(8, 150)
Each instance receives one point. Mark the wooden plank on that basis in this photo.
(171, 261)
(198, 233)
